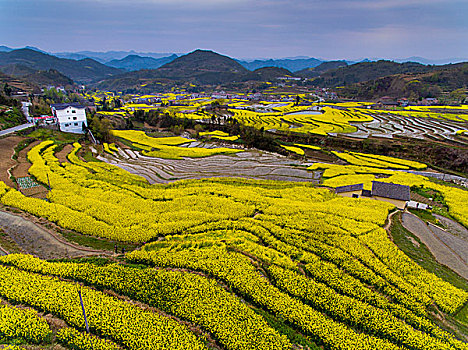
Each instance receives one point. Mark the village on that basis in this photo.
(233, 175)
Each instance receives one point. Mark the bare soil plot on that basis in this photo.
(38, 241)
(21, 170)
(23, 164)
(62, 155)
(7, 149)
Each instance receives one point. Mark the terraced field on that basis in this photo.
(392, 125)
(353, 122)
(247, 164)
(352, 119)
(223, 263)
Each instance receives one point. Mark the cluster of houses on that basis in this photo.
(398, 195)
(388, 102)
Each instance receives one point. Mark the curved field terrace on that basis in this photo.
(248, 164)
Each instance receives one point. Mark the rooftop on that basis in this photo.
(392, 191)
(59, 106)
(349, 188)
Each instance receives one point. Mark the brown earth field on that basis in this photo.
(7, 149)
(21, 170)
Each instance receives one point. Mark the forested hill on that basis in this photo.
(320, 69)
(365, 71)
(202, 65)
(440, 79)
(272, 73)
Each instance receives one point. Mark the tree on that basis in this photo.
(100, 128)
(458, 95)
(128, 123)
(7, 89)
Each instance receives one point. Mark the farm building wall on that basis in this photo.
(350, 193)
(398, 203)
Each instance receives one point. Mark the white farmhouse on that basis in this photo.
(25, 109)
(70, 117)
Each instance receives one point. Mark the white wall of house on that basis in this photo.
(25, 110)
(71, 119)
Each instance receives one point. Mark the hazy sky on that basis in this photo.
(331, 29)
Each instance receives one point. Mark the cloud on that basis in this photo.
(262, 28)
(188, 3)
(386, 4)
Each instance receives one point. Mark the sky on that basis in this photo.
(327, 29)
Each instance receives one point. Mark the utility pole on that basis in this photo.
(48, 181)
(84, 312)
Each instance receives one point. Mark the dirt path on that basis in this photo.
(453, 227)
(389, 220)
(40, 242)
(441, 249)
(7, 148)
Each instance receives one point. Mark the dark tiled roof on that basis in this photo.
(59, 106)
(349, 188)
(389, 190)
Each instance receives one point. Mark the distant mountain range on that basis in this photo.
(292, 65)
(321, 68)
(27, 60)
(431, 61)
(108, 56)
(135, 62)
(134, 73)
(362, 80)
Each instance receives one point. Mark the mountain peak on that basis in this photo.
(135, 62)
(85, 70)
(202, 61)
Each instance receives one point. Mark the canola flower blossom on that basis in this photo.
(320, 262)
(168, 147)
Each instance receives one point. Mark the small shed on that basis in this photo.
(396, 194)
(418, 205)
(352, 191)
